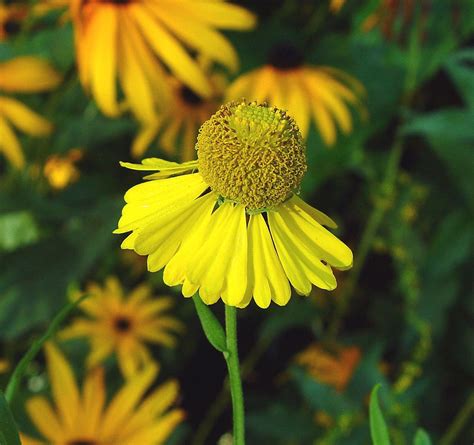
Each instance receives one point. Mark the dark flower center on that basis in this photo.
(285, 56)
(189, 96)
(122, 324)
(12, 27)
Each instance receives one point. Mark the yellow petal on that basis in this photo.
(144, 138)
(126, 400)
(135, 83)
(23, 118)
(299, 205)
(170, 51)
(93, 400)
(28, 74)
(103, 59)
(63, 385)
(298, 104)
(9, 145)
(222, 15)
(45, 419)
(196, 35)
(323, 121)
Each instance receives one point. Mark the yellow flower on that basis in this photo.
(84, 417)
(185, 113)
(22, 75)
(305, 91)
(60, 171)
(11, 17)
(136, 35)
(231, 224)
(336, 5)
(332, 368)
(123, 325)
(4, 365)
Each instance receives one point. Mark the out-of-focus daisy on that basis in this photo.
(129, 38)
(22, 75)
(61, 171)
(124, 324)
(336, 5)
(307, 92)
(83, 417)
(180, 122)
(231, 224)
(333, 368)
(4, 365)
(11, 17)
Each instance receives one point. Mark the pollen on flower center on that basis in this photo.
(252, 154)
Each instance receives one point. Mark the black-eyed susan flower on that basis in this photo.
(334, 368)
(123, 325)
(61, 171)
(22, 75)
(11, 18)
(184, 115)
(83, 416)
(305, 91)
(136, 35)
(231, 225)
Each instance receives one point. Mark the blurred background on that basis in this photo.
(389, 147)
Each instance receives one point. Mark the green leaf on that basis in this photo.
(36, 346)
(210, 324)
(459, 67)
(17, 229)
(8, 430)
(421, 438)
(378, 427)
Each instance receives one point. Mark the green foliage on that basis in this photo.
(378, 427)
(8, 430)
(211, 325)
(17, 229)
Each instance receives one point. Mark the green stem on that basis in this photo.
(387, 190)
(232, 359)
(463, 416)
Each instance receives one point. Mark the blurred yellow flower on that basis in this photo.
(123, 325)
(11, 17)
(305, 91)
(336, 5)
(180, 122)
(84, 417)
(230, 224)
(4, 366)
(332, 368)
(136, 35)
(60, 171)
(22, 75)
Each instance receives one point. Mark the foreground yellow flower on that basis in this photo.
(318, 92)
(22, 75)
(231, 224)
(123, 324)
(84, 417)
(136, 35)
(333, 368)
(180, 122)
(61, 171)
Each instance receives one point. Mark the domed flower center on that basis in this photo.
(122, 324)
(285, 56)
(189, 96)
(12, 27)
(252, 154)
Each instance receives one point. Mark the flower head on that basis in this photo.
(138, 35)
(306, 91)
(84, 417)
(61, 171)
(11, 17)
(230, 224)
(124, 324)
(22, 75)
(332, 368)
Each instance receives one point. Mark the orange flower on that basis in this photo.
(332, 368)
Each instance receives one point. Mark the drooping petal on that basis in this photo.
(93, 400)
(9, 145)
(24, 118)
(45, 419)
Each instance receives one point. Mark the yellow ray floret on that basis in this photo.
(84, 416)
